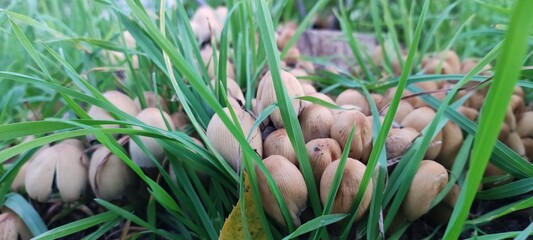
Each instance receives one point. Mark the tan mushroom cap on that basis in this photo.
(322, 151)
(399, 140)
(361, 144)
(278, 143)
(419, 119)
(108, 175)
(207, 58)
(316, 122)
(429, 180)
(404, 108)
(155, 118)
(225, 143)
(353, 97)
(452, 140)
(233, 89)
(266, 95)
(12, 227)
(524, 126)
(152, 100)
(349, 185)
(291, 184)
(120, 100)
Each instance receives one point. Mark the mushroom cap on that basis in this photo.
(205, 19)
(429, 180)
(308, 88)
(515, 142)
(403, 109)
(291, 184)
(207, 58)
(436, 66)
(361, 144)
(233, 89)
(528, 146)
(399, 140)
(225, 143)
(152, 100)
(108, 175)
(469, 64)
(12, 227)
(266, 95)
(66, 163)
(524, 126)
(155, 118)
(349, 185)
(120, 100)
(316, 122)
(180, 120)
(419, 119)
(353, 97)
(322, 151)
(278, 143)
(452, 140)
(320, 96)
(468, 112)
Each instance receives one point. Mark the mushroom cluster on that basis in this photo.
(69, 168)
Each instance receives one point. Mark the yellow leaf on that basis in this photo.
(233, 227)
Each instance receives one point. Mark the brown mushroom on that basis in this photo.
(355, 98)
(278, 143)
(361, 144)
(322, 151)
(399, 140)
(316, 122)
(419, 119)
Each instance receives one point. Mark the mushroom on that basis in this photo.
(64, 164)
(436, 66)
(203, 21)
(207, 58)
(109, 176)
(12, 227)
(515, 142)
(225, 143)
(308, 88)
(155, 118)
(291, 184)
(152, 100)
(528, 146)
(316, 122)
(322, 151)
(348, 188)
(300, 73)
(469, 64)
(320, 96)
(429, 180)
(524, 126)
(419, 119)
(119, 100)
(442, 212)
(278, 143)
(266, 95)
(452, 139)
(233, 89)
(353, 97)
(399, 140)
(468, 112)
(403, 109)
(286, 33)
(361, 144)
(180, 120)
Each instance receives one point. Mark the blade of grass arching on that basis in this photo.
(387, 122)
(501, 211)
(102, 229)
(318, 222)
(493, 111)
(303, 25)
(137, 220)
(79, 225)
(528, 231)
(336, 182)
(288, 114)
(508, 190)
(26, 212)
(352, 41)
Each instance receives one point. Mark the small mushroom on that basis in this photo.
(120, 100)
(468, 112)
(320, 96)
(286, 33)
(233, 89)
(322, 151)
(403, 109)
(203, 21)
(348, 188)
(278, 143)
(308, 88)
(419, 119)
(452, 140)
(109, 176)
(429, 180)
(399, 140)
(528, 146)
(469, 64)
(442, 212)
(361, 144)
(225, 143)
(291, 184)
(436, 66)
(180, 120)
(353, 97)
(207, 58)
(316, 122)
(524, 126)
(12, 227)
(64, 164)
(152, 100)
(300, 73)
(515, 142)
(155, 118)
(266, 95)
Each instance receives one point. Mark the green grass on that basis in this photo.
(51, 55)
